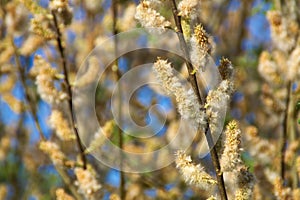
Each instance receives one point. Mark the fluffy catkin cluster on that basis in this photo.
(40, 25)
(212, 198)
(150, 18)
(53, 150)
(261, 149)
(231, 156)
(215, 101)
(188, 8)
(268, 68)
(298, 165)
(86, 182)
(63, 10)
(282, 64)
(280, 191)
(232, 164)
(283, 30)
(62, 195)
(200, 47)
(245, 182)
(45, 76)
(4, 147)
(31, 44)
(99, 138)
(193, 174)
(61, 126)
(187, 102)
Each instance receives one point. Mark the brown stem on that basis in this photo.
(69, 90)
(184, 48)
(285, 133)
(193, 80)
(115, 32)
(28, 99)
(32, 110)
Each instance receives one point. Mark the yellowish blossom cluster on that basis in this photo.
(40, 25)
(16, 18)
(188, 8)
(31, 44)
(62, 195)
(245, 182)
(4, 147)
(231, 156)
(3, 191)
(268, 68)
(216, 100)
(6, 51)
(261, 149)
(282, 30)
(187, 103)
(61, 126)
(226, 69)
(14, 103)
(127, 21)
(193, 174)
(150, 18)
(86, 182)
(91, 73)
(103, 133)
(45, 76)
(212, 198)
(200, 47)
(63, 10)
(280, 191)
(6, 86)
(54, 152)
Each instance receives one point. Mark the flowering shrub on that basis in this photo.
(218, 104)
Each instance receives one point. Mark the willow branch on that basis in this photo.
(115, 32)
(285, 133)
(29, 102)
(193, 81)
(33, 112)
(69, 89)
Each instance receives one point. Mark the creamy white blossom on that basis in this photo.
(193, 174)
(60, 125)
(282, 37)
(231, 156)
(216, 101)
(45, 76)
(86, 182)
(187, 102)
(188, 8)
(150, 18)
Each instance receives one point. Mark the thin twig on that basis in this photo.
(28, 99)
(115, 32)
(193, 80)
(33, 112)
(179, 32)
(285, 132)
(69, 89)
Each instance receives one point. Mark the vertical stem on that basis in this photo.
(28, 99)
(115, 32)
(68, 181)
(285, 133)
(193, 80)
(69, 89)
(184, 48)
